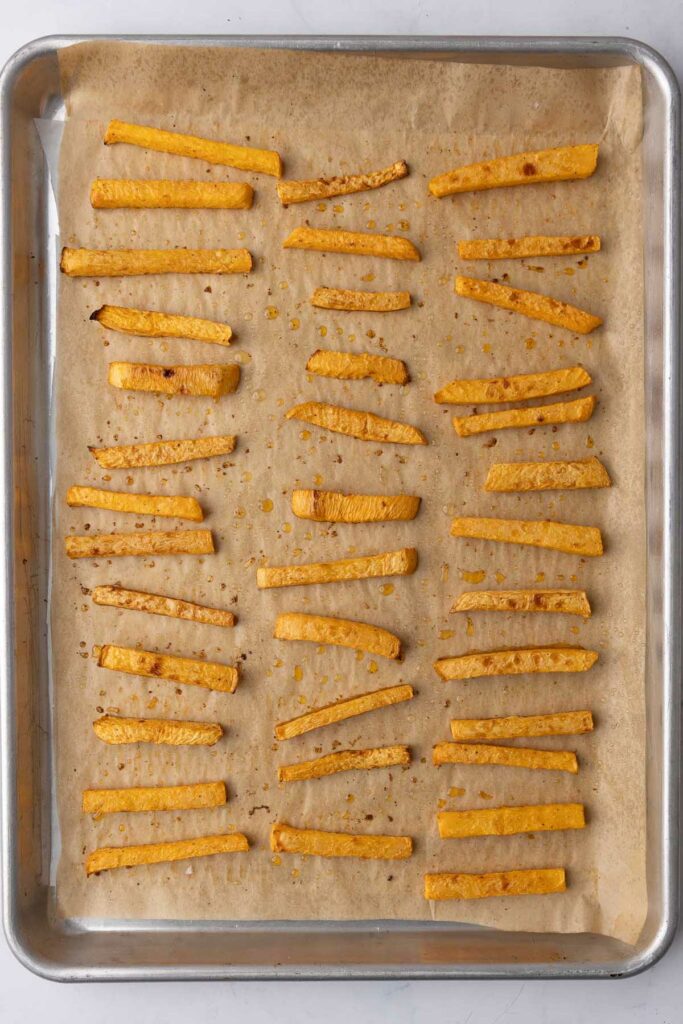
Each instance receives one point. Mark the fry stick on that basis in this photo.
(344, 761)
(122, 193)
(567, 537)
(152, 542)
(567, 602)
(171, 507)
(211, 380)
(516, 388)
(150, 324)
(516, 661)
(188, 671)
(108, 857)
(162, 453)
(357, 366)
(368, 302)
(565, 163)
(531, 304)
(343, 709)
(154, 798)
(529, 245)
(358, 243)
(363, 425)
(170, 732)
(507, 821)
(245, 158)
(547, 476)
(509, 757)
(335, 507)
(402, 562)
(155, 604)
(561, 723)
(326, 188)
(526, 882)
(578, 411)
(132, 262)
(322, 629)
(286, 839)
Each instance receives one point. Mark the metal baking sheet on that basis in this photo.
(110, 950)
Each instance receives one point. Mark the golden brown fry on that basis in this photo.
(108, 857)
(547, 476)
(171, 507)
(211, 380)
(322, 629)
(286, 839)
(152, 542)
(246, 158)
(529, 245)
(357, 366)
(123, 193)
(539, 533)
(188, 671)
(578, 411)
(526, 882)
(170, 732)
(359, 243)
(508, 821)
(344, 761)
(150, 324)
(335, 507)
(363, 425)
(568, 602)
(516, 661)
(326, 188)
(343, 709)
(131, 262)
(561, 723)
(565, 163)
(162, 453)
(155, 604)
(402, 562)
(516, 388)
(531, 304)
(369, 302)
(509, 757)
(154, 798)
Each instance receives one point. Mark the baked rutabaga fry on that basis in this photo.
(108, 857)
(124, 193)
(357, 366)
(335, 507)
(151, 324)
(349, 707)
(564, 163)
(524, 882)
(402, 562)
(508, 821)
(322, 629)
(188, 671)
(166, 731)
(154, 798)
(539, 533)
(287, 839)
(368, 302)
(561, 723)
(531, 304)
(155, 604)
(567, 602)
(245, 158)
(132, 262)
(358, 243)
(344, 761)
(547, 476)
(529, 245)
(209, 380)
(326, 188)
(162, 453)
(516, 661)
(577, 411)
(509, 757)
(151, 542)
(366, 426)
(516, 388)
(174, 506)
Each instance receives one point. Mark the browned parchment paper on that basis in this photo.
(333, 114)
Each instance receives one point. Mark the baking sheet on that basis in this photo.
(321, 112)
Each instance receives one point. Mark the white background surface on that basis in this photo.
(655, 997)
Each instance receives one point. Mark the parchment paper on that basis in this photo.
(331, 114)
